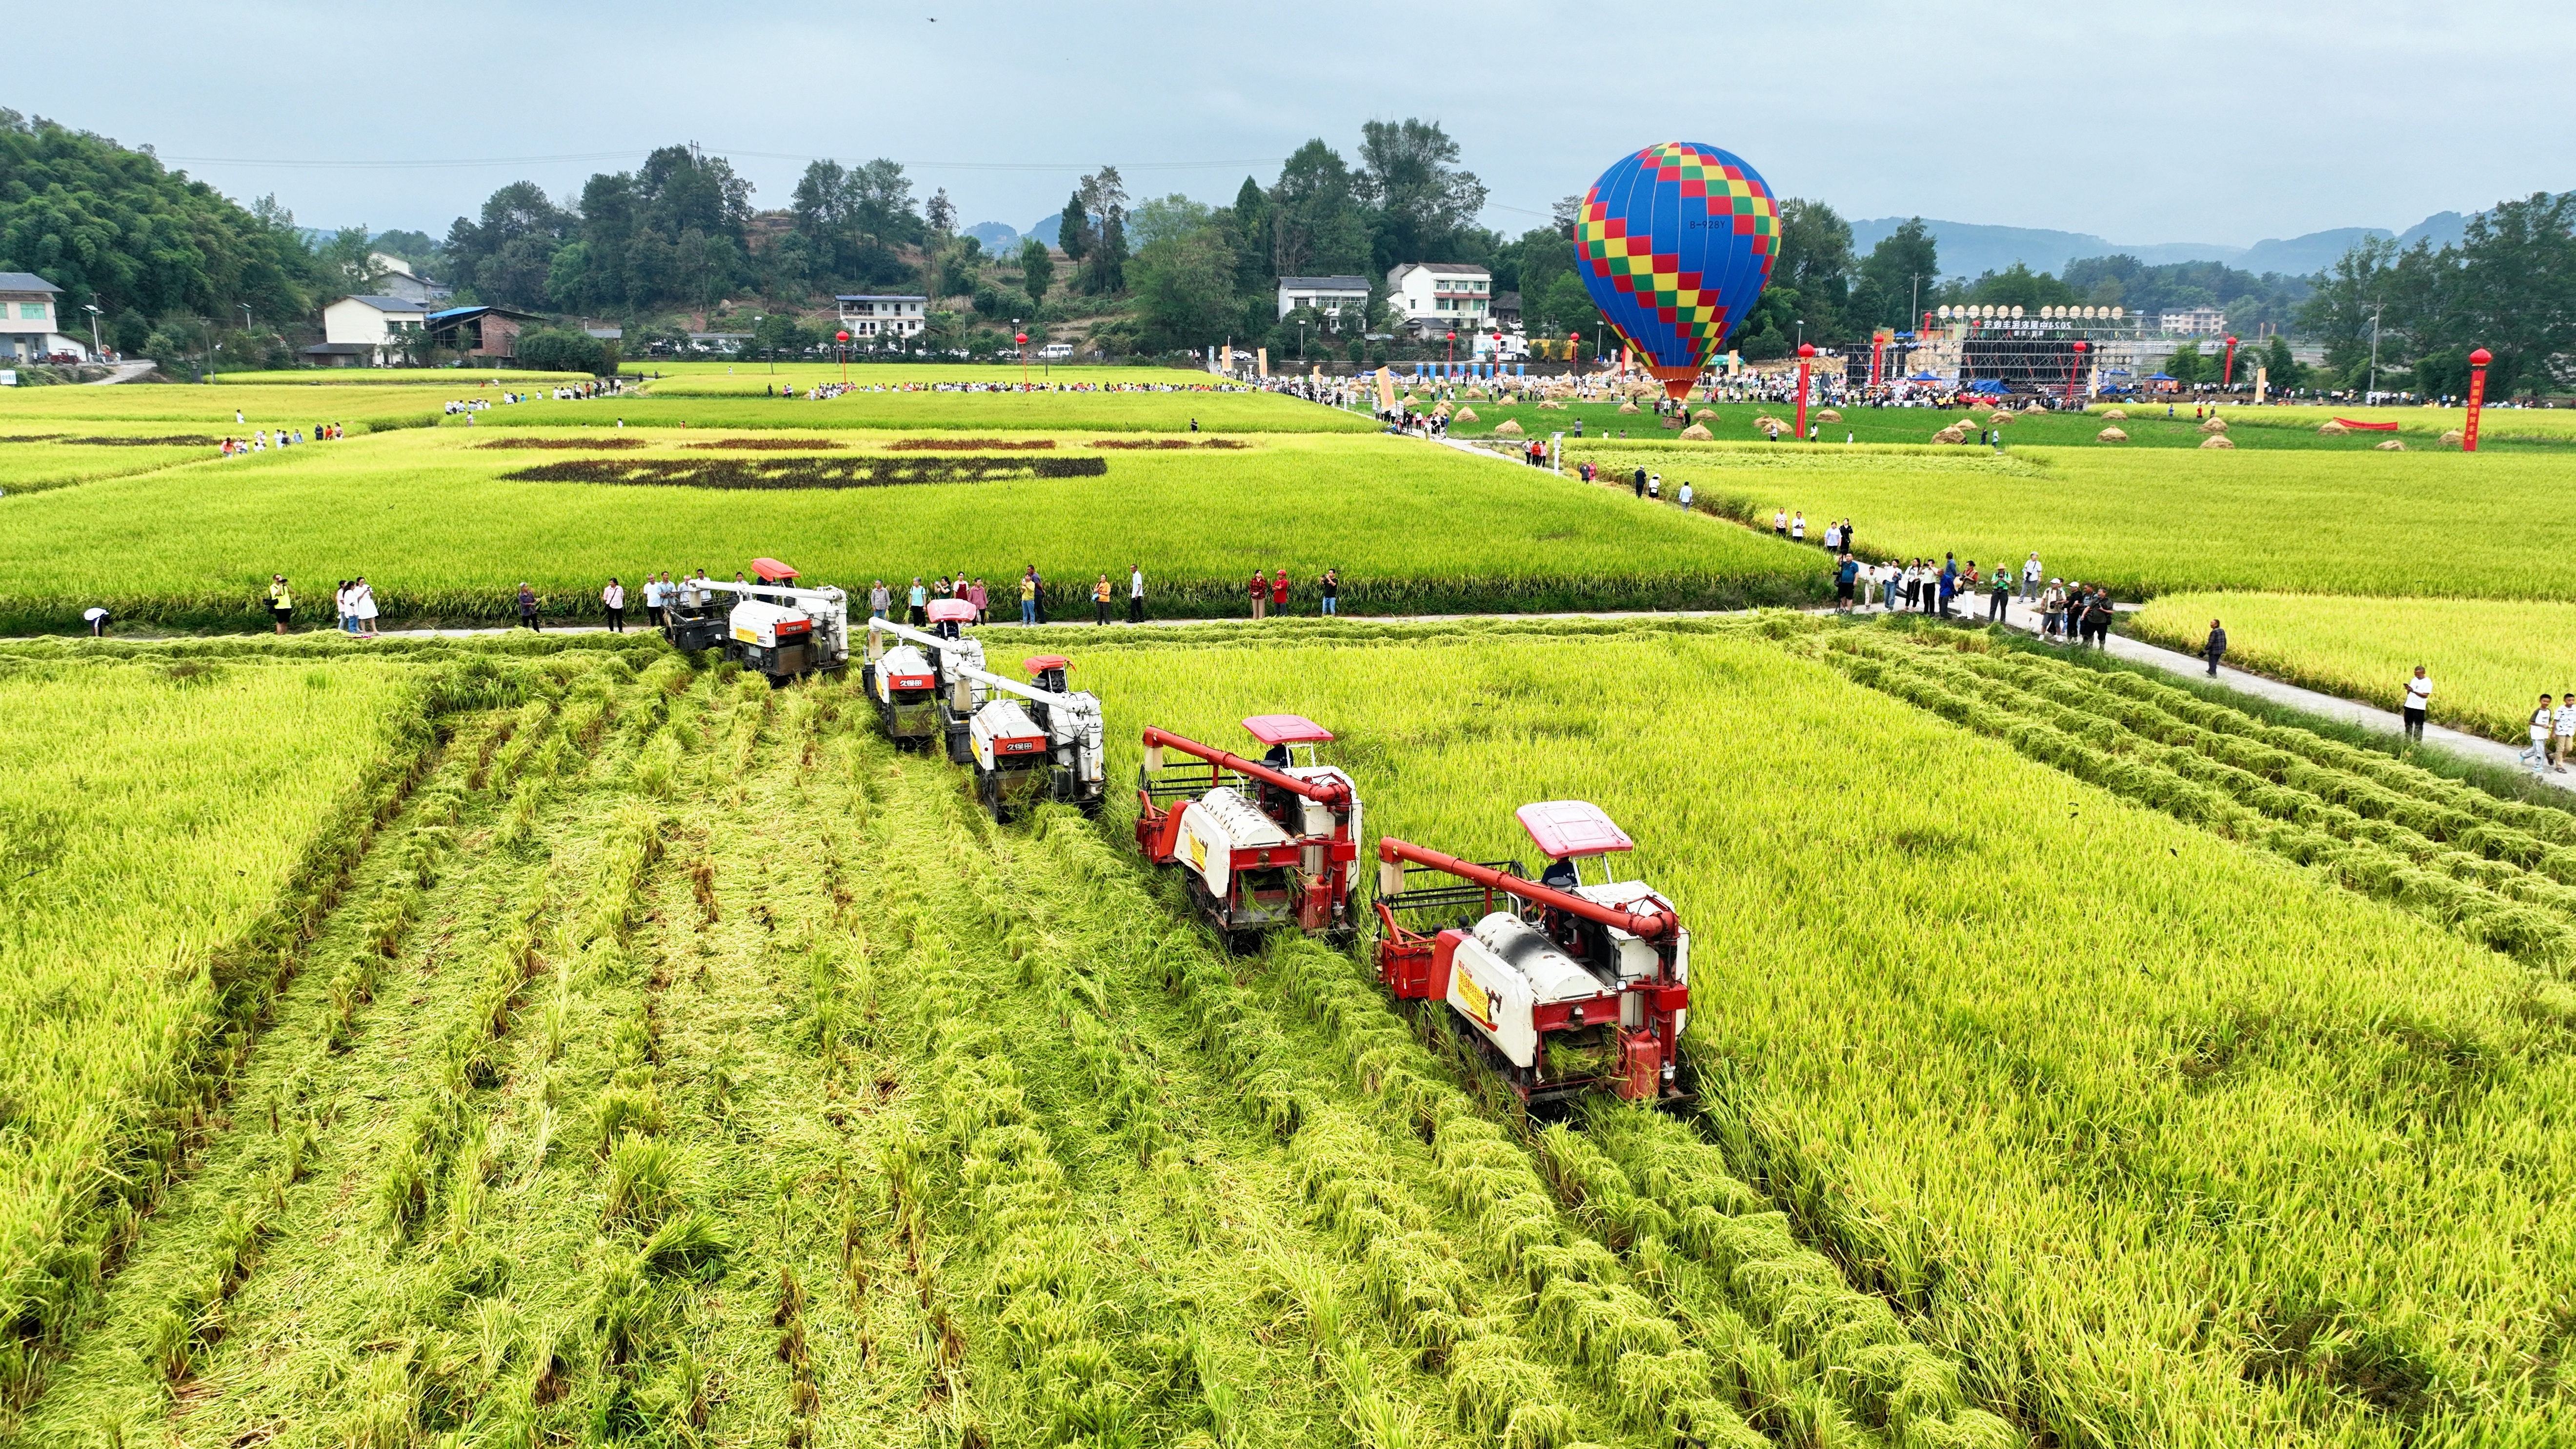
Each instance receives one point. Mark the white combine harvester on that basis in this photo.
(1034, 740)
(1261, 844)
(1565, 985)
(771, 628)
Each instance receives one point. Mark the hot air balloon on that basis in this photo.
(1674, 244)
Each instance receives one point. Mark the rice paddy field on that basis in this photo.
(672, 1061)
(445, 522)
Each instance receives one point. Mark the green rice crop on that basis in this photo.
(2102, 1102)
(211, 409)
(167, 835)
(2380, 524)
(2487, 659)
(1155, 412)
(430, 519)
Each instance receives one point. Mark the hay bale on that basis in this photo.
(2391, 446)
(2110, 435)
(2218, 440)
(2332, 429)
(1998, 418)
(1828, 415)
(1508, 428)
(1546, 403)
(1627, 407)
(2114, 415)
(1466, 415)
(1703, 415)
(1950, 434)
(2454, 437)
(2216, 424)
(1696, 433)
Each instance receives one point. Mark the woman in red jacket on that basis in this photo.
(1260, 593)
(1279, 594)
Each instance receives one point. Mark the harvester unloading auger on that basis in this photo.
(1281, 849)
(1044, 740)
(1570, 986)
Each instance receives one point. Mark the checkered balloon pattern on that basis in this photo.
(1675, 243)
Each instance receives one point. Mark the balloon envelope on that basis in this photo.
(1675, 243)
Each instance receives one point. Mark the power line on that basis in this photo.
(594, 156)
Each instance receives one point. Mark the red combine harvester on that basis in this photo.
(1280, 849)
(1571, 986)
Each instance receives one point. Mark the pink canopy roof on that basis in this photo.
(1286, 729)
(1565, 828)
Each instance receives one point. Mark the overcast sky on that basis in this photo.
(2222, 123)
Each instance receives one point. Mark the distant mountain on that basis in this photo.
(996, 237)
(1045, 228)
(1968, 248)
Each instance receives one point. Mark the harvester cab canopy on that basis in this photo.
(1046, 671)
(1284, 734)
(947, 616)
(771, 571)
(1569, 832)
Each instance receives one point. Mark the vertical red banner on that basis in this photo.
(2478, 361)
(1806, 353)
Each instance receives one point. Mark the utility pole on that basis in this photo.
(2374, 345)
(1916, 310)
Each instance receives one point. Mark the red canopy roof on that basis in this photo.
(1286, 729)
(1565, 828)
(943, 611)
(771, 571)
(1041, 663)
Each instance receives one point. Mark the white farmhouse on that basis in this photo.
(395, 278)
(1331, 296)
(875, 315)
(367, 331)
(30, 322)
(1440, 296)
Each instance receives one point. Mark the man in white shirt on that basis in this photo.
(2564, 722)
(2419, 698)
(1136, 593)
(2543, 720)
(2031, 574)
(1798, 529)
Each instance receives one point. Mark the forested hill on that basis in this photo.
(92, 216)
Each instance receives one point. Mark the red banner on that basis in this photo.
(2477, 401)
(2363, 427)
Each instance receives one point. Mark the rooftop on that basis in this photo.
(1446, 269)
(388, 304)
(880, 297)
(25, 282)
(1324, 284)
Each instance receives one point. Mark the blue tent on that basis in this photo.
(1925, 376)
(2159, 377)
(1985, 384)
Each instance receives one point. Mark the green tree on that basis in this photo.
(1425, 203)
(1904, 260)
(1248, 235)
(2344, 312)
(1104, 262)
(1073, 228)
(1317, 224)
(2188, 366)
(2019, 286)
(1815, 259)
(1037, 270)
(560, 350)
(1185, 290)
(2280, 369)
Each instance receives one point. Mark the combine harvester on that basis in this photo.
(1281, 849)
(771, 629)
(1569, 987)
(1043, 740)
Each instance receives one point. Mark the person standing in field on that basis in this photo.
(2419, 698)
(1833, 538)
(281, 602)
(2097, 617)
(2031, 574)
(1798, 529)
(2565, 724)
(2543, 720)
(528, 607)
(96, 617)
(982, 599)
(880, 599)
(1029, 596)
(1260, 590)
(1331, 587)
(1846, 574)
(917, 604)
(1100, 602)
(2214, 648)
(1279, 594)
(1686, 495)
(1641, 482)
(1136, 593)
(2052, 610)
(613, 599)
(1998, 594)
(363, 596)
(1779, 523)
(1655, 487)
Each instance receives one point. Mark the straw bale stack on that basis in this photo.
(1508, 428)
(1697, 433)
(2218, 440)
(1466, 415)
(2110, 435)
(2114, 415)
(2332, 429)
(2453, 437)
(1951, 434)
(1828, 415)
(1998, 418)
(2215, 424)
(1627, 407)
(2392, 446)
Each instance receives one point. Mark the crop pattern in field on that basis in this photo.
(804, 471)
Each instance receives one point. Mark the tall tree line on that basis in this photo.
(2508, 285)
